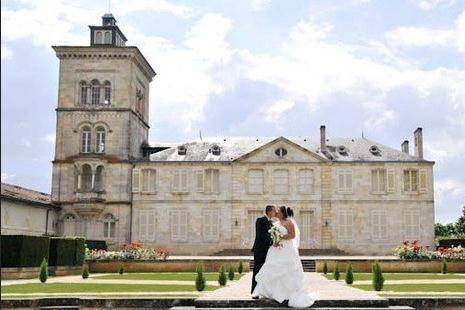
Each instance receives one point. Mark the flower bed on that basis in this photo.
(412, 250)
(132, 251)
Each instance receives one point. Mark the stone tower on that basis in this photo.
(102, 124)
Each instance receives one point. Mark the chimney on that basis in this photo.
(418, 134)
(322, 138)
(404, 147)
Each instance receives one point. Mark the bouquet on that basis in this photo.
(276, 234)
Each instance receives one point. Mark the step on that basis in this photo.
(268, 303)
(58, 307)
(316, 308)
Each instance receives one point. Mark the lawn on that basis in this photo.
(174, 276)
(94, 288)
(401, 276)
(408, 288)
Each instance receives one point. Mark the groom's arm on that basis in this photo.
(261, 232)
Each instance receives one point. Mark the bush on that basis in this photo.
(337, 274)
(43, 273)
(24, 251)
(230, 272)
(63, 252)
(378, 278)
(120, 269)
(85, 271)
(222, 279)
(325, 267)
(80, 251)
(349, 274)
(200, 281)
(240, 268)
(96, 245)
(443, 266)
(448, 243)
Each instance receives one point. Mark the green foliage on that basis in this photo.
(80, 251)
(337, 274)
(120, 269)
(43, 273)
(200, 281)
(230, 272)
(24, 251)
(460, 225)
(349, 274)
(240, 268)
(85, 271)
(448, 243)
(63, 251)
(96, 244)
(443, 266)
(222, 279)
(378, 278)
(325, 267)
(445, 230)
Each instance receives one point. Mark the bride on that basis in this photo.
(282, 276)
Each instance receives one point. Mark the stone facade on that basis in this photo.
(202, 197)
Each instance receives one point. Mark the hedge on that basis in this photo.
(448, 243)
(23, 250)
(96, 245)
(80, 251)
(62, 252)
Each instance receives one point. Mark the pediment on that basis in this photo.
(293, 153)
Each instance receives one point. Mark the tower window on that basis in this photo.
(98, 180)
(86, 178)
(107, 37)
(86, 139)
(95, 92)
(98, 37)
(109, 223)
(107, 87)
(100, 140)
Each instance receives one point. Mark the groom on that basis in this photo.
(262, 241)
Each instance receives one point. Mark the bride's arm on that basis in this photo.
(290, 231)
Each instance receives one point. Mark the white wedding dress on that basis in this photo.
(282, 276)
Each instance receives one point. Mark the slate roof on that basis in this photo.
(19, 193)
(232, 148)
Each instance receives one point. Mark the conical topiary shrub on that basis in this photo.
(349, 274)
(121, 269)
(443, 266)
(43, 273)
(378, 278)
(222, 279)
(200, 281)
(240, 268)
(325, 267)
(85, 271)
(230, 273)
(336, 273)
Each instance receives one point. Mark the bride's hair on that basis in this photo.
(290, 212)
(283, 210)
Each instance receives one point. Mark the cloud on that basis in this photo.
(379, 120)
(260, 5)
(6, 176)
(124, 7)
(274, 111)
(449, 187)
(431, 4)
(50, 138)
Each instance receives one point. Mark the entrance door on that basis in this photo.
(307, 229)
(252, 216)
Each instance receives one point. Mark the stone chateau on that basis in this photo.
(202, 197)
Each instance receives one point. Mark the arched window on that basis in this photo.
(86, 137)
(109, 226)
(95, 92)
(86, 177)
(107, 97)
(98, 37)
(100, 140)
(107, 37)
(69, 225)
(84, 88)
(98, 181)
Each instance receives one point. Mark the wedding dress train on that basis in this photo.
(282, 276)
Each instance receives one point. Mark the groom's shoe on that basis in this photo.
(255, 297)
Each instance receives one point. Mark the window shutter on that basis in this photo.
(423, 183)
(216, 181)
(150, 226)
(176, 181)
(135, 180)
(340, 180)
(183, 225)
(199, 181)
(184, 181)
(142, 225)
(390, 181)
(174, 225)
(153, 181)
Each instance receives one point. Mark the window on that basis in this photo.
(252, 216)
(135, 180)
(280, 152)
(149, 180)
(346, 225)
(86, 177)
(199, 184)
(212, 181)
(281, 181)
(107, 37)
(255, 181)
(180, 181)
(305, 181)
(109, 226)
(379, 224)
(83, 88)
(98, 37)
(95, 92)
(147, 221)
(345, 181)
(307, 228)
(98, 181)
(210, 225)
(69, 223)
(100, 140)
(178, 220)
(378, 181)
(423, 184)
(86, 139)
(411, 225)
(140, 100)
(410, 180)
(107, 93)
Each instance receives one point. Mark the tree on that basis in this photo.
(43, 273)
(443, 266)
(200, 281)
(121, 269)
(378, 278)
(240, 269)
(325, 267)
(222, 279)
(337, 274)
(349, 274)
(231, 272)
(85, 271)
(460, 225)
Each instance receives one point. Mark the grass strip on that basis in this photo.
(175, 276)
(455, 288)
(401, 276)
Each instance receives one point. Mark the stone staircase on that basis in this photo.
(307, 264)
(302, 252)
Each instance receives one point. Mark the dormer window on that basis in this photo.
(182, 150)
(216, 150)
(341, 149)
(280, 152)
(375, 150)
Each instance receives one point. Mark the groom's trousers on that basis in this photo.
(259, 258)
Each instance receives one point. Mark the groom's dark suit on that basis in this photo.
(261, 245)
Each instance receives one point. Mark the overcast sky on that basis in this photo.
(255, 68)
